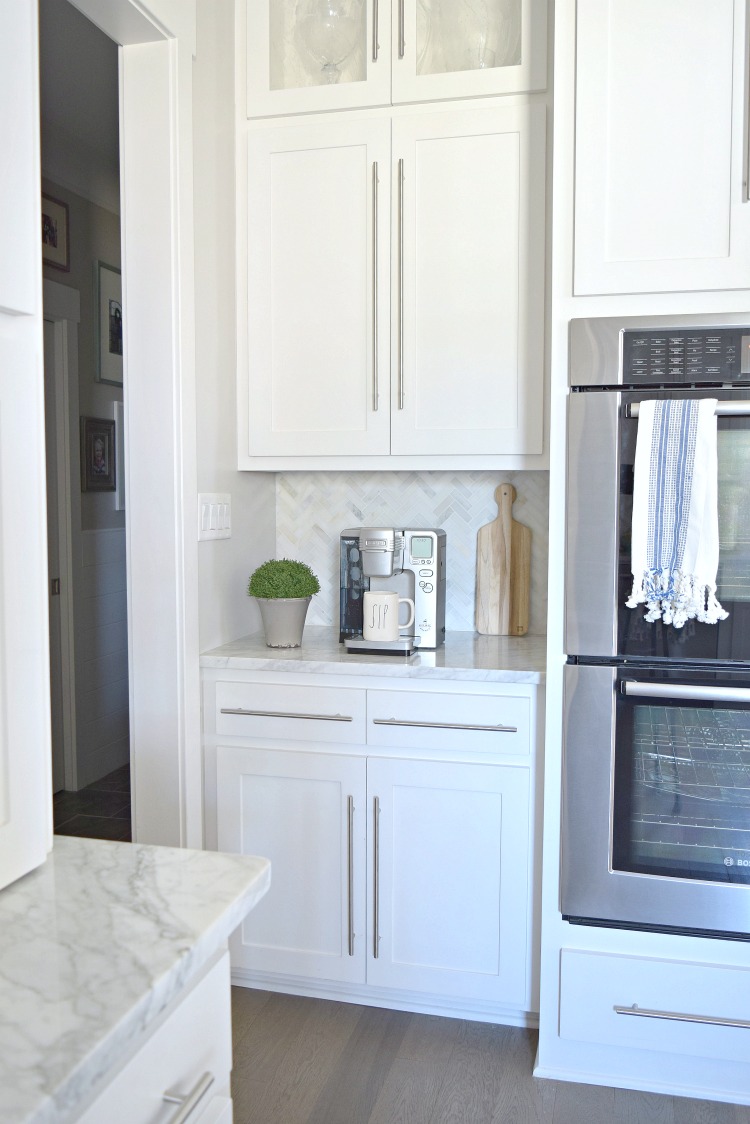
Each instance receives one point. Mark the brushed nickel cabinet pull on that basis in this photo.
(288, 714)
(375, 29)
(188, 1101)
(375, 877)
(444, 725)
(375, 384)
(675, 1016)
(401, 30)
(401, 284)
(350, 868)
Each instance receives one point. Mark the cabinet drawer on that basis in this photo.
(684, 1007)
(490, 723)
(194, 1040)
(267, 710)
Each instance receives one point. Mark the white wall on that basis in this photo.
(225, 564)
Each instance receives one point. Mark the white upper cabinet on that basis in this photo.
(317, 340)
(661, 146)
(468, 282)
(394, 290)
(310, 55)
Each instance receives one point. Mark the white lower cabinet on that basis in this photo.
(305, 812)
(403, 877)
(649, 1003)
(183, 1066)
(449, 852)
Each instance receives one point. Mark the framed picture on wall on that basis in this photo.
(108, 302)
(98, 455)
(55, 243)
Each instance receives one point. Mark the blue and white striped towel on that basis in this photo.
(675, 532)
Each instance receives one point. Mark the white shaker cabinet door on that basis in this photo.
(450, 855)
(306, 813)
(660, 167)
(317, 292)
(468, 281)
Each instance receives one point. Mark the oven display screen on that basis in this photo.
(421, 546)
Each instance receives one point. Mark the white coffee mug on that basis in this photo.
(380, 614)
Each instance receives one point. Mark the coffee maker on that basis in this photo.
(410, 562)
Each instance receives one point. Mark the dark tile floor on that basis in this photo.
(99, 811)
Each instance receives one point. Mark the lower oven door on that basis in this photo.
(656, 799)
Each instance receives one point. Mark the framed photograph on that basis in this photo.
(55, 243)
(108, 301)
(98, 455)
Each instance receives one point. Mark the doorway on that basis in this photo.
(79, 104)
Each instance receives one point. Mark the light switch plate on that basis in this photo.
(214, 515)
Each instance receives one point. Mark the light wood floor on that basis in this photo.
(311, 1061)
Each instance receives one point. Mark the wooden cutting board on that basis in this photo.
(503, 571)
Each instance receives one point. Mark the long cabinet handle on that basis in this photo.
(736, 409)
(350, 869)
(669, 690)
(401, 284)
(375, 30)
(401, 30)
(288, 714)
(375, 877)
(677, 1016)
(444, 725)
(375, 383)
(188, 1101)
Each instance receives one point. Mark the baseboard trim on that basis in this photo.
(380, 997)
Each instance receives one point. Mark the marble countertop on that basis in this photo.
(465, 656)
(94, 944)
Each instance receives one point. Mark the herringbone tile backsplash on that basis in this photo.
(313, 508)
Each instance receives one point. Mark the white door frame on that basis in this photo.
(157, 43)
(62, 306)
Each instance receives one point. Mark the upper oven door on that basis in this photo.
(601, 456)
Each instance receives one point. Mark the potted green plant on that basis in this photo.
(283, 589)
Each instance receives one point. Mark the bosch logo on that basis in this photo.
(729, 861)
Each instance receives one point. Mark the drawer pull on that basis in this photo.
(444, 725)
(288, 714)
(675, 1016)
(188, 1101)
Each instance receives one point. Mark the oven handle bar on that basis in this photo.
(685, 691)
(676, 1016)
(723, 409)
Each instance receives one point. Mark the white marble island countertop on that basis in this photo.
(465, 656)
(94, 944)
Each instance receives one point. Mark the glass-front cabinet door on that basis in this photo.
(310, 55)
(467, 48)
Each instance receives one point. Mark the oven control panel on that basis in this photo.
(691, 356)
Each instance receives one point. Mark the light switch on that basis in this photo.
(214, 515)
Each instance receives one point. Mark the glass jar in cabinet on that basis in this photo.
(305, 56)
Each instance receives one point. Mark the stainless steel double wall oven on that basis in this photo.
(656, 785)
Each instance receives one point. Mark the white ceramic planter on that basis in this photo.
(283, 620)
